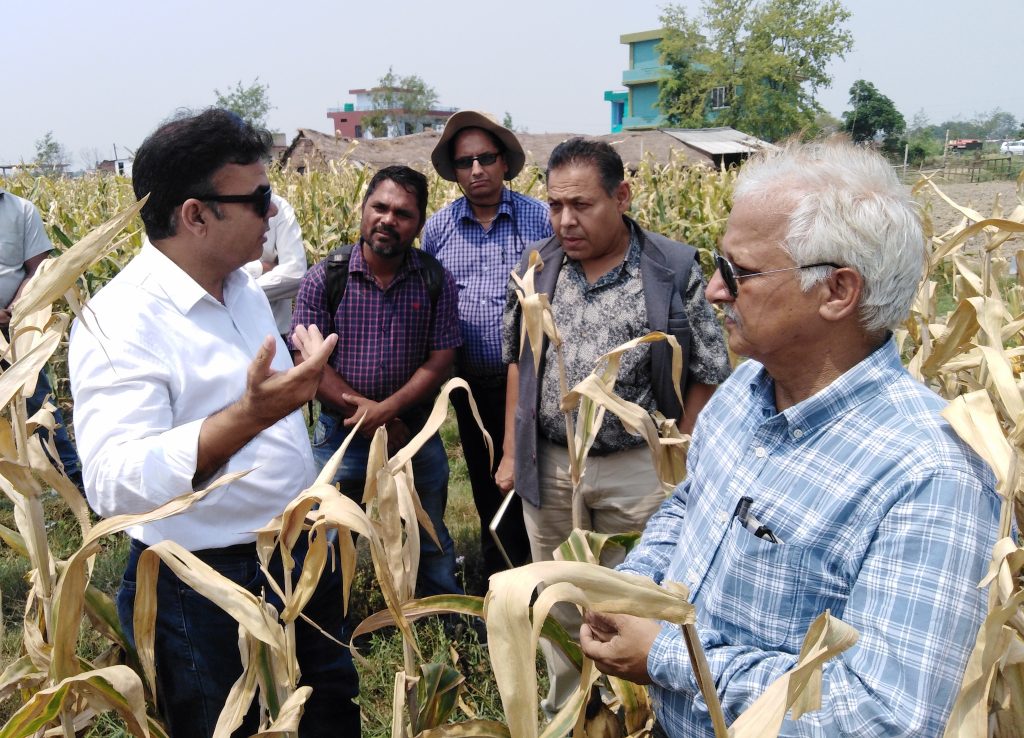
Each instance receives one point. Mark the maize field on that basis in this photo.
(72, 668)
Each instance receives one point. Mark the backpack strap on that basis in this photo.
(433, 276)
(336, 277)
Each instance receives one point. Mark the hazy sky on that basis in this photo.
(106, 73)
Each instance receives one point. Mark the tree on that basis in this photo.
(1000, 124)
(400, 104)
(755, 65)
(924, 138)
(874, 116)
(251, 102)
(51, 156)
(826, 124)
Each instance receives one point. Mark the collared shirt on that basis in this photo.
(885, 517)
(480, 260)
(384, 334)
(284, 248)
(156, 357)
(608, 313)
(21, 237)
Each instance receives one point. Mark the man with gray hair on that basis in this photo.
(821, 475)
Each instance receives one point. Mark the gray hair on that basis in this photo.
(848, 208)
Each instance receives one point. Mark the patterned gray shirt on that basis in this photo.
(595, 318)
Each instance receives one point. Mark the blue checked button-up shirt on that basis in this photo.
(884, 517)
(481, 261)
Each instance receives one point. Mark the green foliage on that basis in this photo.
(995, 124)
(51, 156)
(770, 56)
(251, 102)
(401, 103)
(874, 116)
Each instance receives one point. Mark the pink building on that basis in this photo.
(348, 120)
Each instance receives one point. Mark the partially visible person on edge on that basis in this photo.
(280, 267)
(479, 238)
(398, 329)
(609, 281)
(872, 507)
(180, 378)
(23, 247)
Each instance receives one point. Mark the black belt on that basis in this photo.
(208, 555)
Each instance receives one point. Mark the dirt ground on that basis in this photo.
(980, 196)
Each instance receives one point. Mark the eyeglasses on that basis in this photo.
(731, 274)
(466, 162)
(260, 199)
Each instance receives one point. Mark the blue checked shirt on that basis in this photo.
(884, 517)
(481, 261)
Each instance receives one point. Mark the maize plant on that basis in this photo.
(972, 357)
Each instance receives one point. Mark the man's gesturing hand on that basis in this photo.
(269, 394)
(619, 644)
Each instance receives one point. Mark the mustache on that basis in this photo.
(730, 312)
(386, 230)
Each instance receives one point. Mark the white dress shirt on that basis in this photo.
(156, 356)
(285, 249)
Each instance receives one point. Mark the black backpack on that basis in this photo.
(336, 276)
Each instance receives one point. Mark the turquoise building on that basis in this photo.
(637, 107)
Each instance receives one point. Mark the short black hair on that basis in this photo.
(178, 160)
(494, 139)
(408, 179)
(581, 151)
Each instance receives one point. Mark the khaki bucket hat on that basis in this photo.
(441, 156)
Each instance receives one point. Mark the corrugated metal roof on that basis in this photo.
(718, 141)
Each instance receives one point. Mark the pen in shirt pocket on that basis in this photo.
(752, 524)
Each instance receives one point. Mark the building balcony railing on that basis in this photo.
(638, 121)
(644, 74)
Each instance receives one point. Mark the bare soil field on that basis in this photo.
(980, 196)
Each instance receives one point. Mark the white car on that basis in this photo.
(1012, 147)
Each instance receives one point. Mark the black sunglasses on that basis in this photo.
(260, 199)
(731, 274)
(466, 162)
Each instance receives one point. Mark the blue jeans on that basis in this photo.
(430, 470)
(66, 450)
(197, 658)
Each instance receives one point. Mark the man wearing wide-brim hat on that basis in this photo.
(479, 238)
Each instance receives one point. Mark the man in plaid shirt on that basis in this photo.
(479, 238)
(396, 345)
(821, 475)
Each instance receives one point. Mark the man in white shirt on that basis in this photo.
(168, 397)
(280, 267)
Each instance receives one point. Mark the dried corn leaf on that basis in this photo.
(962, 236)
(800, 687)
(287, 722)
(509, 626)
(57, 276)
(244, 607)
(69, 596)
(961, 327)
(468, 729)
(116, 688)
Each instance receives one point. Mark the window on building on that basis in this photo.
(719, 98)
